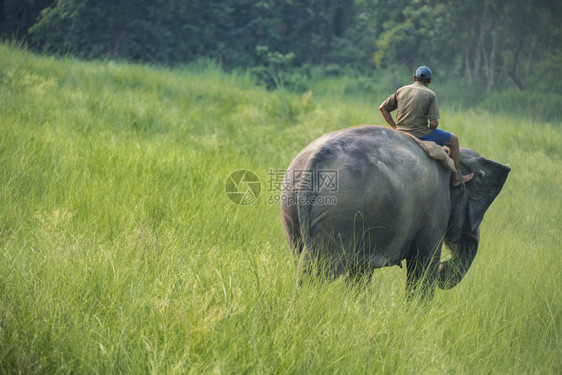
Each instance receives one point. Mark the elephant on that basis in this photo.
(367, 197)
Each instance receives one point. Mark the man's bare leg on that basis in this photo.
(454, 154)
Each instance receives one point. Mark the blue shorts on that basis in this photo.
(438, 136)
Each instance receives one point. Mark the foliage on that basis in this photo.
(120, 252)
(492, 44)
(550, 67)
(18, 16)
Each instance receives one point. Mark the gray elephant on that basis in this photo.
(368, 197)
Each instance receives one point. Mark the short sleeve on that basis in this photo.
(391, 103)
(433, 113)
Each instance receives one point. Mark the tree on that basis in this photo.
(484, 40)
(17, 16)
(488, 43)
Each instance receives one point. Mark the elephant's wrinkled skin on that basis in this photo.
(393, 203)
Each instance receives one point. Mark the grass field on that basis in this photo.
(121, 253)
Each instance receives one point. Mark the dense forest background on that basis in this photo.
(491, 45)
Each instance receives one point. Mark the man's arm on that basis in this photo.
(433, 113)
(387, 116)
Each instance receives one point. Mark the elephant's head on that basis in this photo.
(468, 206)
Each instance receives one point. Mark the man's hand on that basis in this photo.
(387, 116)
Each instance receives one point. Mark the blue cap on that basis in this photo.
(423, 72)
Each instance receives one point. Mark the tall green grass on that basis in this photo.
(121, 253)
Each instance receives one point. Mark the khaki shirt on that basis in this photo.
(416, 105)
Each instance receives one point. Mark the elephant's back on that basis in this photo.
(375, 167)
(365, 158)
(366, 152)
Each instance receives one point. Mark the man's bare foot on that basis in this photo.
(466, 178)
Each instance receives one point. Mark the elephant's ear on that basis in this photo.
(487, 183)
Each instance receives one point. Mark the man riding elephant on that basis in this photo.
(415, 105)
(391, 202)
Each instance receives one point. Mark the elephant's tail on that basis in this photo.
(307, 190)
(304, 198)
